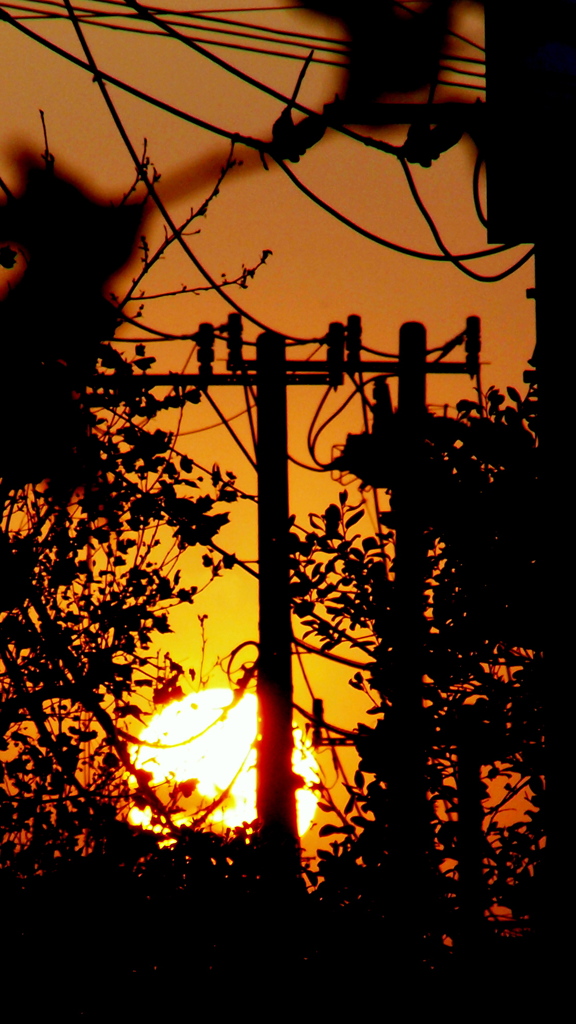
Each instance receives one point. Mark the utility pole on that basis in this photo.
(368, 457)
(276, 788)
(531, 100)
(407, 785)
(270, 373)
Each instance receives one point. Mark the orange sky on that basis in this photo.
(320, 270)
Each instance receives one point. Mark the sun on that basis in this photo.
(202, 749)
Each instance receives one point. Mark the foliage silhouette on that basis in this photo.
(96, 509)
(483, 728)
(55, 319)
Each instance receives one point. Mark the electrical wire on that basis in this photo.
(211, 426)
(309, 37)
(416, 14)
(250, 400)
(256, 83)
(476, 190)
(462, 85)
(339, 658)
(236, 29)
(126, 87)
(456, 260)
(225, 423)
(442, 257)
(458, 71)
(378, 352)
(303, 465)
(330, 419)
(319, 408)
(99, 79)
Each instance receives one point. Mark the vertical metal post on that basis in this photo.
(276, 797)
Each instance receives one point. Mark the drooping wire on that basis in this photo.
(314, 440)
(442, 257)
(212, 426)
(330, 656)
(457, 260)
(291, 38)
(476, 190)
(319, 408)
(309, 37)
(231, 431)
(445, 255)
(99, 78)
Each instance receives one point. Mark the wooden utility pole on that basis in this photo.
(408, 784)
(531, 101)
(276, 786)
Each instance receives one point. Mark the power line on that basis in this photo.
(99, 78)
(456, 260)
(443, 257)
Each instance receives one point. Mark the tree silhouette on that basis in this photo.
(97, 507)
(483, 731)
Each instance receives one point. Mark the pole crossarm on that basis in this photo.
(298, 372)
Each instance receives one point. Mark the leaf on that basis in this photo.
(188, 787)
(353, 519)
(369, 543)
(130, 710)
(167, 694)
(145, 363)
(330, 830)
(83, 735)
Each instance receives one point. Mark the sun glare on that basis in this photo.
(206, 755)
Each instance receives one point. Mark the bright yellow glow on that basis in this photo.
(211, 754)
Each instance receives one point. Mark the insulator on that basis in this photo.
(335, 341)
(472, 345)
(205, 352)
(353, 342)
(234, 342)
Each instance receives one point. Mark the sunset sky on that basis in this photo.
(319, 269)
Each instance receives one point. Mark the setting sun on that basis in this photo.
(204, 749)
